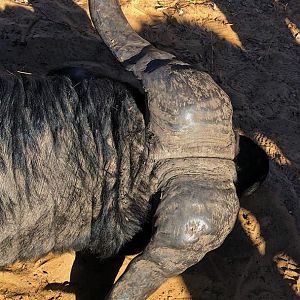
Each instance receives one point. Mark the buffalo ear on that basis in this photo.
(252, 165)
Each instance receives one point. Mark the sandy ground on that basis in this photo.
(252, 49)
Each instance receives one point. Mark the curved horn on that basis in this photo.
(189, 112)
(131, 50)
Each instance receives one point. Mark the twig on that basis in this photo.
(22, 72)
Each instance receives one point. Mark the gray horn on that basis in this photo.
(131, 50)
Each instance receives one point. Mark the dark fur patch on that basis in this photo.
(72, 166)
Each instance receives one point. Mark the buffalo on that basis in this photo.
(82, 155)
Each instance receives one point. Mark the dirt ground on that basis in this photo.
(252, 50)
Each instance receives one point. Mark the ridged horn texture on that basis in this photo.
(189, 113)
(130, 49)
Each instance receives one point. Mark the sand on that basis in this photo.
(252, 50)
